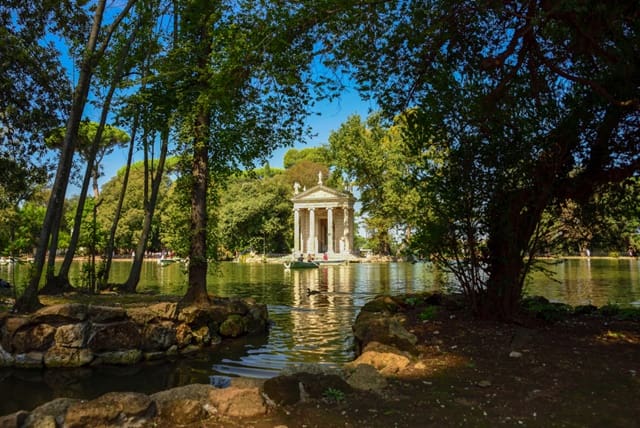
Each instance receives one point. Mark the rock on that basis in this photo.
(6, 359)
(386, 359)
(367, 378)
(515, 354)
(58, 356)
(183, 405)
(202, 336)
(285, 390)
(114, 336)
(29, 360)
(105, 314)
(241, 400)
(72, 335)
(383, 304)
(184, 335)
(235, 325)
(257, 319)
(484, 384)
(378, 327)
(198, 316)
(49, 413)
(164, 311)
(158, 336)
(111, 409)
(238, 306)
(14, 420)
(33, 338)
(127, 357)
(181, 412)
(189, 349)
(9, 328)
(64, 313)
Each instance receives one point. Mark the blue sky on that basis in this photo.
(331, 115)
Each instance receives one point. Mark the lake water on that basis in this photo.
(306, 328)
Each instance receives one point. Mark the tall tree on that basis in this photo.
(372, 156)
(243, 93)
(29, 300)
(515, 97)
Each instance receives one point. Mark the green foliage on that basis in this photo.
(372, 156)
(255, 215)
(333, 395)
(132, 217)
(546, 310)
(522, 104)
(429, 313)
(318, 155)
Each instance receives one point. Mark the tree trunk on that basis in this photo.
(29, 300)
(134, 275)
(513, 222)
(197, 292)
(114, 226)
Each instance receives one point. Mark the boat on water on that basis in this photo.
(297, 264)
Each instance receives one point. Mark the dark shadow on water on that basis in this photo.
(26, 389)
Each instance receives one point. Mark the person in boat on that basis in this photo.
(300, 257)
(309, 257)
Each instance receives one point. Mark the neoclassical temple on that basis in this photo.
(323, 221)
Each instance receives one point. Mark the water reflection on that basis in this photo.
(306, 328)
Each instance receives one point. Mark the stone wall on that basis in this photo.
(75, 334)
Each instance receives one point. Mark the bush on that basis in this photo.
(546, 310)
(428, 313)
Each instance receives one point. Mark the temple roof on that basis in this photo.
(323, 194)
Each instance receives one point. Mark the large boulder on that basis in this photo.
(235, 325)
(198, 316)
(64, 313)
(38, 337)
(242, 399)
(123, 358)
(114, 336)
(72, 335)
(9, 328)
(49, 414)
(111, 409)
(6, 359)
(296, 387)
(158, 336)
(60, 356)
(382, 327)
(365, 377)
(183, 405)
(106, 314)
(388, 360)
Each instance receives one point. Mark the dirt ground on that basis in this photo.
(580, 372)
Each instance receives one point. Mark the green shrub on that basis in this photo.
(428, 313)
(333, 395)
(546, 310)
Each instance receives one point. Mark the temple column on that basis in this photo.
(346, 230)
(296, 231)
(311, 245)
(330, 230)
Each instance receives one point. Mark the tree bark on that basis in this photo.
(102, 281)
(197, 291)
(29, 300)
(134, 275)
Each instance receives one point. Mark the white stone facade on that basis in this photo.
(323, 221)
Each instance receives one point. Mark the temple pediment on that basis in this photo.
(321, 193)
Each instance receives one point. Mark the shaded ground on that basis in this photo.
(581, 372)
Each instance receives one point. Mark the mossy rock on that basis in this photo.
(235, 325)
